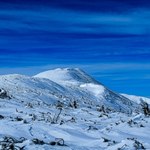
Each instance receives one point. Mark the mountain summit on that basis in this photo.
(69, 75)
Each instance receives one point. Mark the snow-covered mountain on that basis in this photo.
(71, 105)
(94, 92)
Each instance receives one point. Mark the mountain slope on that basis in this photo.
(80, 81)
(81, 111)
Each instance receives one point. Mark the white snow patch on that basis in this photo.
(93, 88)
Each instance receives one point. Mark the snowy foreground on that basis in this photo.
(66, 109)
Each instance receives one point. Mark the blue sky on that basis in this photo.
(109, 39)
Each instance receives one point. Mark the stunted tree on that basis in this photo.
(59, 107)
(4, 94)
(145, 107)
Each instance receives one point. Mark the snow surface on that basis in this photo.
(137, 99)
(91, 115)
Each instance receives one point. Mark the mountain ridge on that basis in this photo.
(80, 86)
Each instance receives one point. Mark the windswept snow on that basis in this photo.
(96, 89)
(68, 104)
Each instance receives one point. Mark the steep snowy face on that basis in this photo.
(67, 75)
